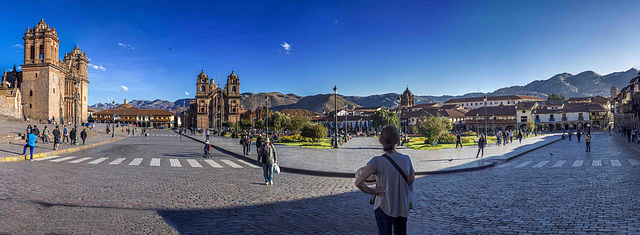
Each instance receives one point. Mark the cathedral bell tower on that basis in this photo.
(43, 74)
(233, 95)
(202, 102)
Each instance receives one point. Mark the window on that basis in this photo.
(54, 90)
(29, 105)
(537, 116)
(523, 111)
(41, 51)
(33, 52)
(551, 116)
(30, 92)
(36, 74)
(523, 119)
(233, 89)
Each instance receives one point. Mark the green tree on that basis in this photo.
(228, 124)
(313, 131)
(447, 123)
(277, 121)
(244, 124)
(260, 123)
(530, 126)
(296, 123)
(431, 127)
(383, 117)
(553, 96)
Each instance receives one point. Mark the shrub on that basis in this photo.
(447, 139)
(470, 133)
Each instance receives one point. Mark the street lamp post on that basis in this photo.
(400, 113)
(335, 99)
(345, 120)
(75, 109)
(485, 115)
(113, 125)
(266, 106)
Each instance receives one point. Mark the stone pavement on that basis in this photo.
(12, 142)
(343, 162)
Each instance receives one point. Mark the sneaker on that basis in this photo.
(266, 183)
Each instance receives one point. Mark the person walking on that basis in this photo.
(32, 139)
(65, 134)
(72, 135)
(245, 145)
(570, 133)
(207, 134)
(268, 157)
(56, 138)
(393, 194)
(258, 143)
(578, 134)
(83, 135)
(36, 131)
(481, 143)
(587, 139)
(458, 140)
(45, 135)
(520, 136)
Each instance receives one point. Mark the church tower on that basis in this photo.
(43, 74)
(614, 92)
(77, 65)
(202, 102)
(233, 96)
(407, 99)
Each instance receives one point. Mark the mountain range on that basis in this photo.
(583, 84)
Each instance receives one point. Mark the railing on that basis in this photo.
(552, 119)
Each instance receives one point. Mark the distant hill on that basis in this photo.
(584, 84)
(318, 103)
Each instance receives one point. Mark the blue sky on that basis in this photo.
(157, 48)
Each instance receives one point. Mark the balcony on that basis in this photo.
(564, 119)
(537, 120)
(552, 119)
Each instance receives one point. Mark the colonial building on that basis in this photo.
(50, 86)
(492, 101)
(214, 104)
(627, 105)
(126, 113)
(407, 99)
(493, 118)
(10, 100)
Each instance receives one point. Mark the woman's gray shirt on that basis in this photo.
(398, 194)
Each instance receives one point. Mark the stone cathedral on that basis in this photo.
(49, 86)
(214, 104)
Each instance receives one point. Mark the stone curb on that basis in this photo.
(626, 142)
(58, 152)
(352, 175)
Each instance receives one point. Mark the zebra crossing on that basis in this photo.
(574, 163)
(153, 162)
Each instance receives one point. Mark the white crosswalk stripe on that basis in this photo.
(213, 163)
(615, 163)
(99, 160)
(249, 164)
(194, 163)
(135, 162)
(505, 165)
(523, 164)
(559, 163)
(80, 160)
(46, 158)
(633, 162)
(541, 164)
(117, 161)
(596, 163)
(62, 159)
(175, 163)
(155, 162)
(230, 163)
(577, 163)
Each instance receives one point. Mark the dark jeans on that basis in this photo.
(588, 146)
(267, 169)
(458, 143)
(480, 149)
(25, 149)
(385, 223)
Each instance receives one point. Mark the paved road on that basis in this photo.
(95, 196)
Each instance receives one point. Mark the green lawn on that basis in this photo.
(322, 144)
(418, 144)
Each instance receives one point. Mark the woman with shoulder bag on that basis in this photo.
(394, 179)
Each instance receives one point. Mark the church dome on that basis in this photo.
(203, 75)
(407, 92)
(233, 75)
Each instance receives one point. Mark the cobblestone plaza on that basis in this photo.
(161, 184)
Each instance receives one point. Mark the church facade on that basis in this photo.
(50, 86)
(214, 104)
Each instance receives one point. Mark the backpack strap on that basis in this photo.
(406, 180)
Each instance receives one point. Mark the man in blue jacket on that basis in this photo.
(31, 143)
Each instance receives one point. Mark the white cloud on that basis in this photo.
(335, 22)
(97, 67)
(124, 88)
(19, 68)
(286, 46)
(186, 93)
(18, 45)
(126, 46)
